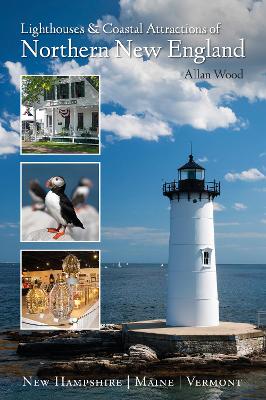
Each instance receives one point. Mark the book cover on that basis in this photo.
(133, 159)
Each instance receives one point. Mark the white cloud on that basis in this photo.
(240, 235)
(243, 19)
(218, 206)
(263, 220)
(262, 154)
(203, 159)
(129, 126)
(9, 140)
(227, 223)
(155, 88)
(15, 69)
(239, 206)
(12, 225)
(137, 234)
(12, 120)
(15, 124)
(147, 88)
(262, 190)
(252, 174)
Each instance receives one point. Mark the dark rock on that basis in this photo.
(93, 369)
(259, 362)
(111, 327)
(168, 367)
(93, 342)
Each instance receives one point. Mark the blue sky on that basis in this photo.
(148, 125)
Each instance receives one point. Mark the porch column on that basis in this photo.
(53, 120)
(75, 120)
(34, 124)
(44, 120)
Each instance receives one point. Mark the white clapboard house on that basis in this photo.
(69, 112)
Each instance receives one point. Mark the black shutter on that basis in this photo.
(73, 94)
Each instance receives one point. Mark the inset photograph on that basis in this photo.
(59, 114)
(60, 290)
(60, 202)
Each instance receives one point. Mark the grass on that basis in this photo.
(58, 148)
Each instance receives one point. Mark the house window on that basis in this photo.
(206, 257)
(80, 121)
(49, 94)
(63, 91)
(77, 89)
(94, 121)
(25, 126)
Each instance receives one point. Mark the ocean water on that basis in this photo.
(136, 292)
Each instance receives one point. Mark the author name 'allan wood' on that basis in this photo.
(196, 73)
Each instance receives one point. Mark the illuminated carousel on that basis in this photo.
(65, 298)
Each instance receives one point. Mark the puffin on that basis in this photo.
(37, 194)
(60, 207)
(81, 192)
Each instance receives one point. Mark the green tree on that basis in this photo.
(94, 81)
(32, 88)
(35, 86)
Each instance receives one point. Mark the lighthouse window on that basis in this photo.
(206, 258)
(191, 174)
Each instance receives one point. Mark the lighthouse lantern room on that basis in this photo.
(192, 297)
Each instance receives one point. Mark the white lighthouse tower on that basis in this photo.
(192, 298)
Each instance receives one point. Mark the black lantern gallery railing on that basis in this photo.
(212, 189)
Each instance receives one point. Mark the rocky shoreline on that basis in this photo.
(90, 354)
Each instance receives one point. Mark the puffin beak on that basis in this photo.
(48, 184)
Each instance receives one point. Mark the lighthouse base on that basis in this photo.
(182, 312)
(226, 338)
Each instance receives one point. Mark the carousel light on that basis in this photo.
(77, 299)
(71, 267)
(36, 300)
(95, 293)
(61, 303)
